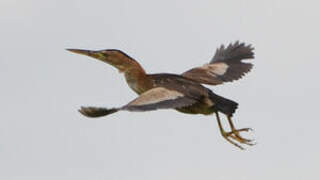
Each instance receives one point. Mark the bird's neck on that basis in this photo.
(137, 78)
(135, 75)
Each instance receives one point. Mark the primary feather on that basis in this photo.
(225, 66)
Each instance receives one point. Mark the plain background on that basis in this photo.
(42, 136)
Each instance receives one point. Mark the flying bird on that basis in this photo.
(182, 92)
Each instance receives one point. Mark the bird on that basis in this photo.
(183, 92)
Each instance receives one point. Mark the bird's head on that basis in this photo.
(114, 57)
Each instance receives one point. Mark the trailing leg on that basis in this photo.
(236, 133)
(227, 135)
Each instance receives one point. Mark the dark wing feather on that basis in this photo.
(225, 66)
(159, 98)
(234, 52)
(96, 111)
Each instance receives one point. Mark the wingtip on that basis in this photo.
(70, 49)
(94, 112)
(83, 111)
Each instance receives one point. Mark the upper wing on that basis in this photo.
(225, 66)
(159, 98)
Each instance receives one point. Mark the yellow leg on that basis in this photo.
(236, 133)
(227, 135)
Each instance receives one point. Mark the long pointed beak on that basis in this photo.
(94, 54)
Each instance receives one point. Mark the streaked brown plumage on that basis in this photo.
(181, 92)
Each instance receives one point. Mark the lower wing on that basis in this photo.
(156, 98)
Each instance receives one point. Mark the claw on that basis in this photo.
(227, 136)
(240, 139)
(234, 135)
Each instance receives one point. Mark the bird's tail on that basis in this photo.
(96, 111)
(223, 105)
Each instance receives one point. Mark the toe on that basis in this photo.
(244, 129)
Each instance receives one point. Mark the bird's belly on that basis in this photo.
(198, 108)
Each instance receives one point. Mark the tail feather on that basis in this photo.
(96, 111)
(223, 105)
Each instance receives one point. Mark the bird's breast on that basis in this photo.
(133, 84)
(138, 84)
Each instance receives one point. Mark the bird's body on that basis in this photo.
(184, 92)
(207, 101)
(189, 88)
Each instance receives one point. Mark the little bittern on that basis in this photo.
(182, 92)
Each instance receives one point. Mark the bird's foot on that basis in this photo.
(234, 135)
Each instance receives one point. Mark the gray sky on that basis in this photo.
(42, 136)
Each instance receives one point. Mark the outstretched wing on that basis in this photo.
(225, 66)
(156, 98)
(159, 98)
